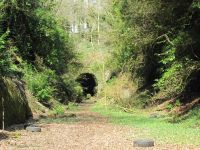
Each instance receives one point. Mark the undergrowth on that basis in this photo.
(39, 83)
(146, 127)
(122, 91)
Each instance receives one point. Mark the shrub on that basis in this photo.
(34, 43)
(74, 90)
(36, 31)
(5, 55)
(158, 42)
(119, 91)
(58, 110)
(39, 82)
(177, 64)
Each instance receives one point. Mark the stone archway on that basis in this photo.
(88, 82)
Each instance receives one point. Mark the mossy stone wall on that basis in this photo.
(15, 101)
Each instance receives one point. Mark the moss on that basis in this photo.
(15, 102)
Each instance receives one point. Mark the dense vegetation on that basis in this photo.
(35, 47)
(158, 43)
(153, 45)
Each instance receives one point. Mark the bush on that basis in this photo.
(58, 110)
(177, 66)
(172, 82)
(46, 85)
(40, 83)
(158, 42)
(35, 31)
(34, 43)
(5, 55)
(119, 91)
(75, 91)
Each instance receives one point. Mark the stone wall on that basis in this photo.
(15, 101)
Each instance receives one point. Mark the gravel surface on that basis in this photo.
(93, 133)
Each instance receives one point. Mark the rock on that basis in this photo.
(16, 107)
(33, 128)
(143, 143)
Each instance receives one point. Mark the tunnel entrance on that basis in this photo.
(88, 82)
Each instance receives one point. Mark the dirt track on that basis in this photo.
(89, 131)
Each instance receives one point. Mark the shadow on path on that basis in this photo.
(3, 135)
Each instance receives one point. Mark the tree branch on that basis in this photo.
(167, 38)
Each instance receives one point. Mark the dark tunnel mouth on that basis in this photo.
(88, 82)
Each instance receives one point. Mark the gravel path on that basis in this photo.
(90, 132)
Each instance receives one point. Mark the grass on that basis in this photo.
(59, 114)
(160, 130)
(72, 106)
(67, 120)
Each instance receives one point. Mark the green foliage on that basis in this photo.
(196, 4)
(55, 46)
(134, 37)
(46, 85)
(121, 91)
(40, 83)
(74, 90)
(171, 81)
(58, 110)
(72, 106)
(36, 32)
(192, 119)
(178, 103)
(34, 44)
(158, 42)
(5, 58)
(170, 107)
(6, 51)
(142, 99)
(176, 66)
